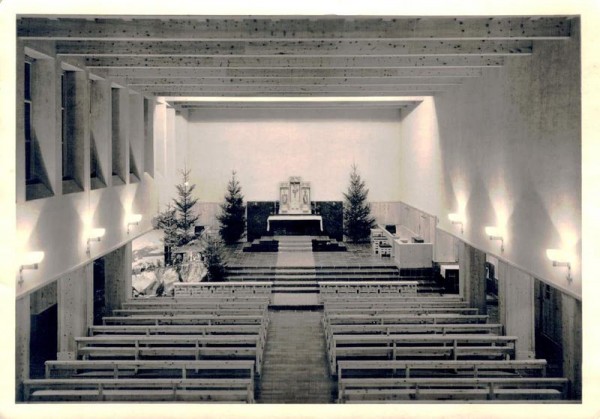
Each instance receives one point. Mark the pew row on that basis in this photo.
(222, 311)
(364, 390)
(328, 289)
(401, 310)
(419, 346)
(450, 368)
(134, 329)
(166, 347)
(335, 304)
(181, 319)
(225, 390)
(216, 303)
(115, 368)
(395, 329)
(385, 319)
(377, 298)
(229, 288)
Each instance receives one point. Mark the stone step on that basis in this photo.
(279, 277)
(293, 290)
(311, 271)
(317, 267)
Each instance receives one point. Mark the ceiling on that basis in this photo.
(347, 59)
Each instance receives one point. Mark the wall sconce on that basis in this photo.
(29, 260)
(495, 234)
(560, 258)
(133, 219)
(96, 235)
(456, 219)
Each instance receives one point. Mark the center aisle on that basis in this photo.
(295, 366)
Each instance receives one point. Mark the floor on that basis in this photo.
(357, 255)
(295, 366)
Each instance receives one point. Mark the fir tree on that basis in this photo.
(232, 217)
(178, 220)
(212, 257)
(357, 211)
(184, 206)
(167, 222)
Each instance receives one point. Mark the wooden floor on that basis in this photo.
(295, 368)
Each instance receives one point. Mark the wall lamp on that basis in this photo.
(456, 219)
(560, 258)
(133, 220)
(96, 235)
(494, 234)
(29, 260)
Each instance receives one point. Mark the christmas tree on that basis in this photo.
(178, 220)
(212, 256)
(167, 222)
(232, 217)
(184, 206)
(357, 212)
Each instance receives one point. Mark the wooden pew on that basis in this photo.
(327, 289)
(360, 298)
(439, 368)
(116, 368)
(190, 346)
(342, 347)
(401, 310)
(227, 390)
(242, 329)
(364, 390)
(228, 288)
(195, 303)
(349, 299)
(438, 318)
(387, 329)
(219, 311)
(181, 319)
(333, 304)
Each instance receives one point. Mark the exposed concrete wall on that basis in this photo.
(22, 332)
(504, 149)
(73, 309)
(100, 128)
(571, 343)
(117, 271)
(471, 262)
(516, 306)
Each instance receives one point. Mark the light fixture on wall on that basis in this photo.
(133, 219)
(560, 258)
(456, 219)
(29, 260)
(494, 233)
(95, 235)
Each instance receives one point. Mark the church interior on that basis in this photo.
(465, 129)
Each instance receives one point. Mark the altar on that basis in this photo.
(295, 214)
(294, 224)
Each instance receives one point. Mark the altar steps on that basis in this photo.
(298, 279)
(294, 243)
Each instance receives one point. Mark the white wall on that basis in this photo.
(505, 150)
(59, 225)
(267, 146)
